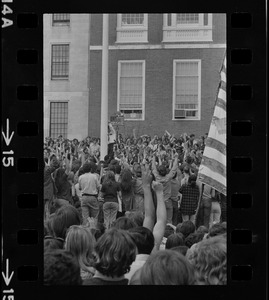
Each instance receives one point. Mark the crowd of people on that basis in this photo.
(140, 216)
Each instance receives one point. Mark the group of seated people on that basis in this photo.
(136, 220)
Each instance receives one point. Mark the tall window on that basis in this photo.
(132, 19)
(60, 61)
(187, 77)
(60, 19)
(58, 119)
(131, 89)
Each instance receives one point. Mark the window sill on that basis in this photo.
(62, 79)
(186, 119)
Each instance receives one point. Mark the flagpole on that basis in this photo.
(104, 92)
(199, 205)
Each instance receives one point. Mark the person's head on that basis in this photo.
(87, 167)
(126, 180)
(173, 240)
(63, 218)
(186, 228)
(143, 239)
(192, 180)
(189, 160)
(167, 267)
(186, 170)
(80, 242)
(124, 223)
(217, 229)
(181, 249)
(202, 229)
(114, 253)
(52, 243)
(136, 216)
(193, 238)
(61, 268)
(162, 170)
(192, 137)
(111, 168)
(54, 162)
(137, 170)
(209, 258)
(117, 169)
(109, 177)
(168, 231)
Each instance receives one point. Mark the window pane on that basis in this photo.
(132, 19)
(62, 19)
(60, 61)
(58, 119)
(187, 18)
(131, 89)
(186, 87)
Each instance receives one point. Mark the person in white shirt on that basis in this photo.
(89, 186)
(144, 241)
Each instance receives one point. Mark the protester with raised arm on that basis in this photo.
(165, 178)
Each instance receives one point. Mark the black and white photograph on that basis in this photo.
(135, 149)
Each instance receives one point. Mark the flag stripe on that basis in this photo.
(222, 95)
(221, 103)
(214, 165)
(214, 183)
(223, 85)
(213, 143)
(212, 152)
(216, 176)
(223, 76)
(212, 170)
(214, 133)
(219, 113)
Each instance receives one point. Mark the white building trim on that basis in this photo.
(188, 32)
(162, 46)
(132, 33)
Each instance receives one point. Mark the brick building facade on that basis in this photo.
(163, 73)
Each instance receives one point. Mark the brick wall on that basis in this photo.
(159, 89)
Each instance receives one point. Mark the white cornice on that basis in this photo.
(163, 46)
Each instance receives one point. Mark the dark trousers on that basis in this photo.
(175, 213)
(203, 215)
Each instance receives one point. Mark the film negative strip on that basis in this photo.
(23, 138)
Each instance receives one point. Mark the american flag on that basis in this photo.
(212, 170)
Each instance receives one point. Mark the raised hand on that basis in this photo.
(157, 187)
(146, 174)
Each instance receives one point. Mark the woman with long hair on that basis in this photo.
(127, 190)
(80, 242)
(109, 192)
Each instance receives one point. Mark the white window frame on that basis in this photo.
(61, 24)
(49, 112)
(55, 43)
(143, 86)
(204, 31)
(125, 32)
(175, 61)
